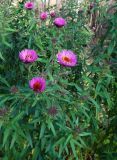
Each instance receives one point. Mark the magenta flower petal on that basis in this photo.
(43, 15)
(37, 84)
(29, 5)
(28, 56)
(60, 22)
(67, 58)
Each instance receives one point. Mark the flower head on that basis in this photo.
(3, 111)
(43, 15)
(29, 5)
(37, 84)
(28, 56)
(54, 40)
(14, 89)
(52, 14)
(67, 58)
(52, 111)
(80, 10)
(91, 6)
(60, 22)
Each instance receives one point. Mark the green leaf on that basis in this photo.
(82, 142)
(52, 128)
(7, 133)
(1, 57)
(42, 60)
(1, 123)
(5, 158)
(30, 42)
(3, 80)
(50, 76)
(29, 139)
(14, 137)
(77, 143)
(111, 47)
(39, 43)
(84, 134)
(2, 101)
(35, 153)
(43, 127)
(73, 148)
(68, 140)
(95, 104)
(35, 101)
(18, 117)
(60, 150)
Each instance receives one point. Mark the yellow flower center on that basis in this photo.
(66, 59)
(36, 86)
(28, 56)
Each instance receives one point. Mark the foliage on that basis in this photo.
(75, 117)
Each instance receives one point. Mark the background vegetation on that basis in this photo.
(76, 116)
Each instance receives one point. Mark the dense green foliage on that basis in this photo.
(75, 117)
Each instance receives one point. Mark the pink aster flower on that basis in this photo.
(28, 56)
(67, 58)
(29, 5)
(37, 84)
(60, 22)
(52, 14)
(43, 15)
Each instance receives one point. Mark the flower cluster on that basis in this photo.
(66, 58)
(44, 15)
(58, 22)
